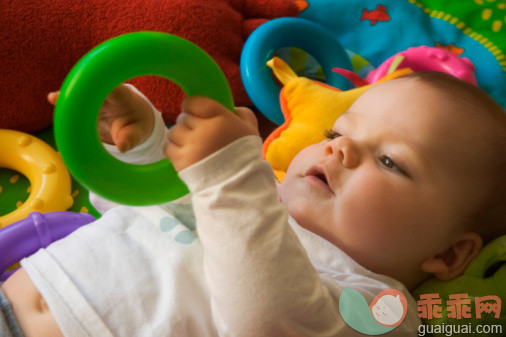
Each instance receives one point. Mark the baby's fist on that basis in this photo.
(204, 127)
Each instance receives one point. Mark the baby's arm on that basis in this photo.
(261, 281)
(131, 129)
(125, 118)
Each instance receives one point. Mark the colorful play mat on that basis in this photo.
(374, 30)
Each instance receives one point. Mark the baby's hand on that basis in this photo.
(204, 127)
(125, 118)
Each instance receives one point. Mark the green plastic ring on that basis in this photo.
(94, 77)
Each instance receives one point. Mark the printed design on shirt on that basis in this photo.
(183, 221)
(386, 311)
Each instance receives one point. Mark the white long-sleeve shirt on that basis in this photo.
(228, 262)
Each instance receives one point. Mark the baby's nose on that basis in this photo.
(345, 149)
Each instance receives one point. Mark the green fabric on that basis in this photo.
(484, 17)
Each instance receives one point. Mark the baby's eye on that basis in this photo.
(331, 134)
(390, 164)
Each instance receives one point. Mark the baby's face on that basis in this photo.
(392, 183)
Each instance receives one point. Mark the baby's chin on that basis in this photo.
(308, 224)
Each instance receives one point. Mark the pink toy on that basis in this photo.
(425, 58)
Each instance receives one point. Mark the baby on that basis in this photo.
(409, 184)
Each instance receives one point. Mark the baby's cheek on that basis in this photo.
(371, 215)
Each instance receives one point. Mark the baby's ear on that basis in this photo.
(451, 263)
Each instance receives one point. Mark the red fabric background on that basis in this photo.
(41, 40)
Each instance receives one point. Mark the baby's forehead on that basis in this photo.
(437, 125)
(414, 102)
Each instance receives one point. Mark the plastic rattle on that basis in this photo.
(281, 33)
(39, 162)
(25, 237)
(89, 83)
(425, 58)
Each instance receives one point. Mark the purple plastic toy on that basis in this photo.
(25, 237)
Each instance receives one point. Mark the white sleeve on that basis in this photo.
(260, 278)
(149, 151)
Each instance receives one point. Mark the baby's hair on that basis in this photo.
(490, 219)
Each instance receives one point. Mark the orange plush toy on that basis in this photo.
(42, 40)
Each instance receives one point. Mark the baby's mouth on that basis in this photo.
(318, 176)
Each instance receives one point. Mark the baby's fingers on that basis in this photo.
(190, 121)
(203, 107)
(126, 137)
(248, 116)
(178, 134)
(52, 97)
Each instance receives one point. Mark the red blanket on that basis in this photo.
(42, 40)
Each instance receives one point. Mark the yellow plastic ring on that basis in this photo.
(41, 164)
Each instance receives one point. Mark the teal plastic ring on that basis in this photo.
(287, 32)
(94, 77)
